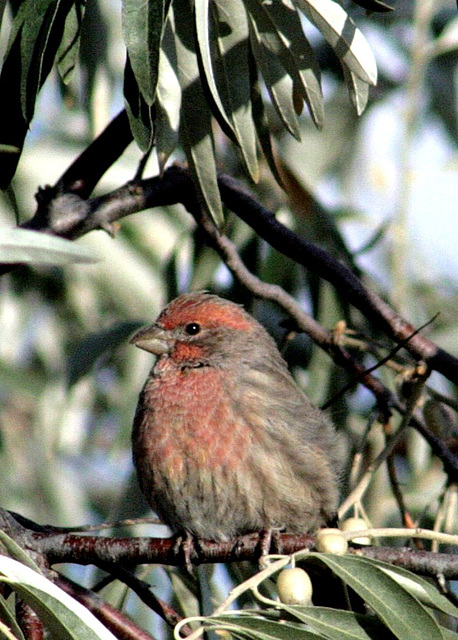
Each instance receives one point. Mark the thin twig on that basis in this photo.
(360, 489)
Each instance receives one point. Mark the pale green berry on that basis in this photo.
(294, 586)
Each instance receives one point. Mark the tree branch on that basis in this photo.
(116, 621)
(112, 553)
(71, 218)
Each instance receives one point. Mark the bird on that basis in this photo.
(224, 441)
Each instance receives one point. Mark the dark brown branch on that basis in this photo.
(85, 172)
(426, 563)
(29, 622)
(143, 591)
(116, 621)
(396, 489)
(112, 553)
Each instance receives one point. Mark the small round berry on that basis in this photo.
(294, 586)
(331, 541)
(356, 524)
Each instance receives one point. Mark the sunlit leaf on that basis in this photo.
(340, 625)
(258, 628)
(204, 50)
(42, 27)
(423, 590)
(278, 82)
(234, 75)
(168, 105)
(65, 618)
(307, 76)
(358, 90)
(2, 10)
(342, 34)
(196, 122)
(13, 550)
(32, 247)
(399, 609)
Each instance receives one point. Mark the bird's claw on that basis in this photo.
(268, 543)
(185, 543)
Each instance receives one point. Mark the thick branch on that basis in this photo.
(55, 547)
(426, 563)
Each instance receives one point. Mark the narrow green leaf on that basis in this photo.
(345, 38)
(16, 552)
(2, 10)
(65, 618)
(263, 131)
(16, 27)
(258, 628)
(201, 12)
(142, 24)
(407, 618)
(196, 122)
(32, 247)
(168, 105)
(9, 148)
(358, 90)
(9, 628)
(271, 37)
(67, 52)
(138, 111)
(234, 75)
(418, 587)
(42, 30)
(278, 82)
(307, 70)
(340, 625)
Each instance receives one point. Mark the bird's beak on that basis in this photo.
(153, 339)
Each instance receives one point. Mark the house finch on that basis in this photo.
(224, 441)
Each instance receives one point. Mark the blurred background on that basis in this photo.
(380, 191)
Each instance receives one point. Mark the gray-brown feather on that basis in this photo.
(288, 476)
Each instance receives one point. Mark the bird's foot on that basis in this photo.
(186, 544)
(268, 543)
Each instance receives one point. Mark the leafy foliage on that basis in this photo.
(187, 63)
(401, 605)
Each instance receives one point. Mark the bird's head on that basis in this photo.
(195, 327)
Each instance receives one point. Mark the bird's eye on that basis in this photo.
(192, 328)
